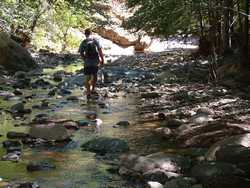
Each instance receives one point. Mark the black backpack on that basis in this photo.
(91, 49)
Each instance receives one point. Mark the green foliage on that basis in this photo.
(49, 21)
(161, 17)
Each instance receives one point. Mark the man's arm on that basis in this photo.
(81, 50)
(101, 56)
(100, 52)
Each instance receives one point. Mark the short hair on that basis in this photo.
(87, 32)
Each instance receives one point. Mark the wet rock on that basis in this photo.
(233, 154)
(58, 76)
(41, 118)
(11, 143)
(72, 125)
(22, 83)
(44, 105)
(52, 92)
(123, 123)
(50, 132)
(12, 146)
(40, 83)
(180, 182)
(27, 185)
(17, 108)
(64, 92)
(40, 166)
(161, 116)
(164, 132)
(150, 95)
(17, 92)
(20, 75)
(171, 162)
(102, 105)
(35, 142)
(172, 123)
(159, 175)
(200, 118)
(153, 184)
(204, 135)
(16, 135)
(73, 98)
(242, 140)
(105, 145)
(83, 123)
(155, 165)
(11, 157)
(197, 186)
(6, 95)
(205, 111)
(212, 170)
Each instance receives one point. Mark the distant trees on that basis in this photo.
(222, 25)
(44, 18)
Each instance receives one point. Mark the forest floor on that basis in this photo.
(170, 116)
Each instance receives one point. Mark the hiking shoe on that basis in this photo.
(88, 97)
(94, 93)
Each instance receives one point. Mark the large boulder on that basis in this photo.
(206, 134)
(13, 56)
(158, 167)
(50, 132)
(220, 175)
(238, 141)
(105, 145)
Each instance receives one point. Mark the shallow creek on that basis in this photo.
(74, 167)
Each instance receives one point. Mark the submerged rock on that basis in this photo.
(180, 182)
(105, 145)
(11, 157)
(155, 167)
(16, 135)
(242, 140)
(123, 123)
(40, 166)
(50, 132)
(211, 170)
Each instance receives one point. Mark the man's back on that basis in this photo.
(89, 49)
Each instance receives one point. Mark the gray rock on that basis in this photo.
(159, 175)
(13, 56)
(212, 170)
(181, 182)
(105, 145)
(123, 123)
(11, 157)
(16, 135)
(154, 167)
(239, 140)
(40, 166)
(50, 132)
(152, 95)
(17, 108)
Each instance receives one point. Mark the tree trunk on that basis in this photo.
(226, 26)
(246, 36)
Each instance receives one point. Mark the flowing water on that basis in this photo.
(74, 168)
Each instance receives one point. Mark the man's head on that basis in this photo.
(87, 32)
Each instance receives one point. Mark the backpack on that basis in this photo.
(91, 49)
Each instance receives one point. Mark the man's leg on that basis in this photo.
(87, 84)
(94, 80)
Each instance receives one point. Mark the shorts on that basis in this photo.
(90, 70)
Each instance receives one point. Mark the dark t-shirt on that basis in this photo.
(89, 61)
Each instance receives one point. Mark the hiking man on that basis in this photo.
(92, 55)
